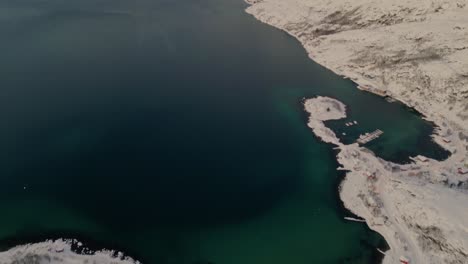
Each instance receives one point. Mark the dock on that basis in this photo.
(381, 251)
(368, 137)
(354, 219)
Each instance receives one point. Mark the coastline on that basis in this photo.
(80, 244)
(303, 29)
(428, 228)
(346, 213)
(62, 251)
(401, 185)
(372, 198)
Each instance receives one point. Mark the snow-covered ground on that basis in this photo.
(60, 252)
(419, 208)
(415, 51)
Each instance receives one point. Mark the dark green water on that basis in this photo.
(174, 130)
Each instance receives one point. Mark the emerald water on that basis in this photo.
(174, 131)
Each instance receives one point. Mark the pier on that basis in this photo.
(381, 251)
(354, 219)
(368, 137)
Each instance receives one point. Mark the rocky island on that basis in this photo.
(415, 52)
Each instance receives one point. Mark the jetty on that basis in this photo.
(354, 219)
(368, 137)
(381, 251)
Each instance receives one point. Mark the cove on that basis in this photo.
(175, 132)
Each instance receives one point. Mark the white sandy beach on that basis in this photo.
(415, 51)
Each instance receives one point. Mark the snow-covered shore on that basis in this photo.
(415, 51)
(60, 252)
(419, 208)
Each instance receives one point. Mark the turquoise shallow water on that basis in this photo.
(175, 132)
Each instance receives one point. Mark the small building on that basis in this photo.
(404, 260)
(463, 170)
(59, 249)
(370, 176)
(422, 158)
(446, 140)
